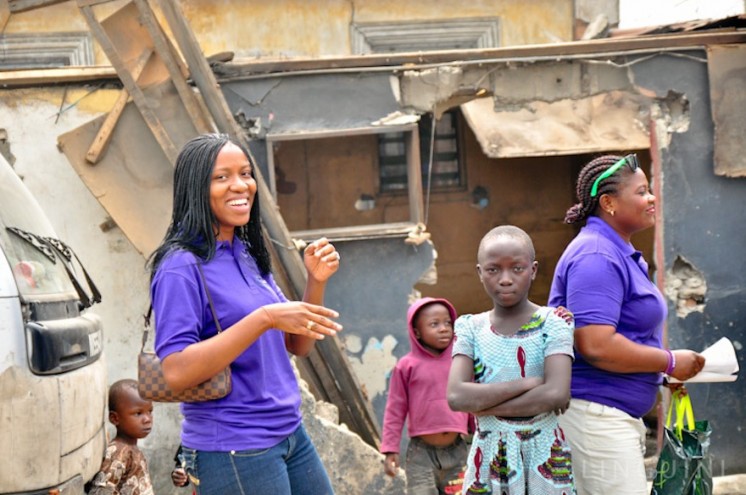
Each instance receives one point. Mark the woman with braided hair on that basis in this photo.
(213, 272)
(619, 314)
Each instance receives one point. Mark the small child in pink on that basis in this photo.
(436, 455)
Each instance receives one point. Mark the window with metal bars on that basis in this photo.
(447, 168)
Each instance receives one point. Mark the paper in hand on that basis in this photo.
(721, 364)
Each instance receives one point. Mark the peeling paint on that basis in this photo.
(372, 366)
(686, 287)
(675, 107)
(85, 99)
(670, 115)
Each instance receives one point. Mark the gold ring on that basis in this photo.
(310, 324)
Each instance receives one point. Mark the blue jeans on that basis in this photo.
(291, 467)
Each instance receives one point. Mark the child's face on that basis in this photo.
(133, 417)
(434, 327)
(506, 270)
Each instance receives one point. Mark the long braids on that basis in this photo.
(193, 223)
(588, 174)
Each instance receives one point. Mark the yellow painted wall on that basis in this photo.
(302, 28)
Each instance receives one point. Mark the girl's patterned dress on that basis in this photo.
(516, 456)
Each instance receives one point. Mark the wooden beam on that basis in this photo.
(61, 75)
(414, 176)
(556, 51)
(101, 141)
(177, 71)
(4, 14)
(151, 119)
(24, 5)
(200, 70)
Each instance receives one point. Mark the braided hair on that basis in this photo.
(588, 205)
(193, 222)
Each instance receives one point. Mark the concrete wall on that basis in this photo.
(701, 238)
(297, 28)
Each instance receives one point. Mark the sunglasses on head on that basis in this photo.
(630, 160)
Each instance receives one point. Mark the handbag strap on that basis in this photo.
(209, 300)
(683, 404)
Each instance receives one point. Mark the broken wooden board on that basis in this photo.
(726, 68)
(610, 121)
(133, 180)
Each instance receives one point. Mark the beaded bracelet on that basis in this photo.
(671, 362)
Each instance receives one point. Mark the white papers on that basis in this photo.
(721, 364)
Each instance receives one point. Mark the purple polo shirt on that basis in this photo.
(603, 280)
(263, 407)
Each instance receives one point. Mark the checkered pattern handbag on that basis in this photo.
(152, 385)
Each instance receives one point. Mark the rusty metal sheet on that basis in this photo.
(610, 121)
(133, 180)
(726, 66)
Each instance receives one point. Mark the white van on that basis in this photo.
(52, 372)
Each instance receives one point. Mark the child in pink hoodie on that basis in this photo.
(437, 452)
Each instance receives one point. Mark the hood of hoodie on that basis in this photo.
(415, 345)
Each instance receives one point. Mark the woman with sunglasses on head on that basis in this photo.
(619, 315)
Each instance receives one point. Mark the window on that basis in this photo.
(45, 50)
(446, 170)
(427, 35)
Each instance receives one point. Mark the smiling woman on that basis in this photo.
(232, 190)
(252, 440)
(619, 315)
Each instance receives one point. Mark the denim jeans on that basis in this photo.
(291, 467)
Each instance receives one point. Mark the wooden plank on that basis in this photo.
(414, 176)
(101, 141)
(330, 133)
(175, 69)
(4, 14)
(91, 3)
(24, 5)
(61, 75)
(554, 51)
(130, 84)
(200, 70)
(726, 66)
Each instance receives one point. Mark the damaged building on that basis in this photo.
(497, 137)
(404, 148)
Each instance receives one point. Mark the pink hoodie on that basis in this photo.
(417, 390)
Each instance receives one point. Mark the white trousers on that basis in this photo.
(608, 449)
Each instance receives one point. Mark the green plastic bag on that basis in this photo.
(684, 466)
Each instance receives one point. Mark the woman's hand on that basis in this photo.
(301, 318)
(688, 364)
(321, 259)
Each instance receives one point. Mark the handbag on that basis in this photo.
(684, 466)
(152, 385)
